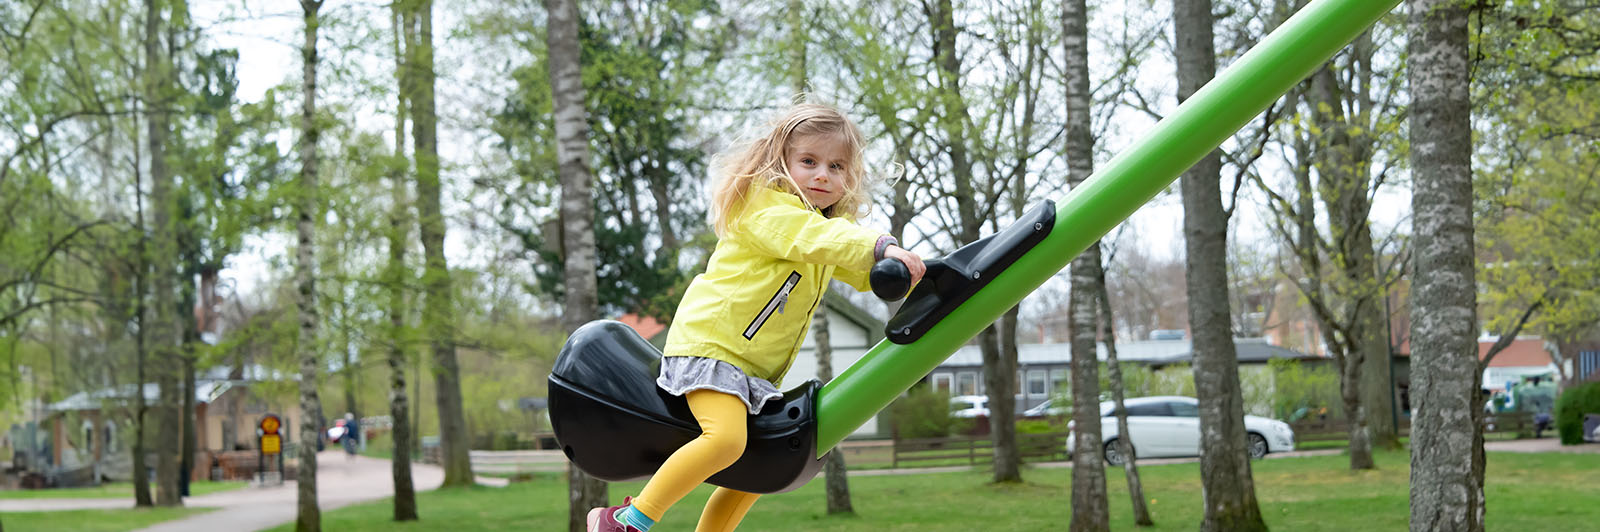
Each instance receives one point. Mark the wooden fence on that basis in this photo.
(1518, 424)
(971, 449)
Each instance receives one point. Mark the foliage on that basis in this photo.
(641, 71)
(1304, 390)
(922, 413)
(1538, 226)
(1571, 406)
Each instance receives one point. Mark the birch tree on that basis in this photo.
(1446, 449)
(577, 218)
(395, 275)
(308, 517)
(1089, 499)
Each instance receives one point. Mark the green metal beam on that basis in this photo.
(1199, 125)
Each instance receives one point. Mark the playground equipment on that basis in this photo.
(615, 424)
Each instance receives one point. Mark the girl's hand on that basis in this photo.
(911, 260)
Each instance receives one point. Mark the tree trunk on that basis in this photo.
(1343, 161)
(1090, 507)
(439, 306)
(796, 14)
(405, 493)
(164, 275)
(1446, 457)
(838, 481)
(1227, 487)
(999, 378)
(186, 414)
(1130, 469)
(577, 215)
(141, 474)
(1360, 447)
(309, 516)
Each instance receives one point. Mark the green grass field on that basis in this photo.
(113, 491)
(1525, 492)
(94, 520)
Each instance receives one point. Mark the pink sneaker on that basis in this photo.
(605, 520)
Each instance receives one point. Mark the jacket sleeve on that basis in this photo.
(795, 233)
(855, 278)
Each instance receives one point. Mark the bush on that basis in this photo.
(1570, 408)
(922, 413)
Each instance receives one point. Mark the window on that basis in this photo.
(966, 383)
(111, 437)
(1184, 409)
(1058, 380)
(1149, 409)
(941, 382)
(1588, 364)
(1036, 383)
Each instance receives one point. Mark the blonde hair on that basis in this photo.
(761, 161)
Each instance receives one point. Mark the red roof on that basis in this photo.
(1521, 352)
(646, 326)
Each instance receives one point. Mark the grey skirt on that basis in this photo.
(681, 375)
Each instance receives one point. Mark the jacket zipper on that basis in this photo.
(800, 339)
(777, 303)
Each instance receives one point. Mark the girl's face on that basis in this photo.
(819, 164)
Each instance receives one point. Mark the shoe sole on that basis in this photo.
(594, 519)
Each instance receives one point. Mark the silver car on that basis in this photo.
(1169, 426)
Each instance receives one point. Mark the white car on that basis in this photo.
(1169, 426)
(969, 406)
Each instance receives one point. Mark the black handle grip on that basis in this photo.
(890, 279)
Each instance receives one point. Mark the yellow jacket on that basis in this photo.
(753, 305)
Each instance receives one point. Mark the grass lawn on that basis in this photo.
(95, 520)
(114, 490)
(1525, 491)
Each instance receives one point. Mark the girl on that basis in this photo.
(784, 213)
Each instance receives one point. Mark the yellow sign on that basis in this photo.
(271, 444)
(270, 424)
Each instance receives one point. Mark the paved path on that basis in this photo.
(341, 481)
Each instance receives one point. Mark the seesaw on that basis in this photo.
(615, 424)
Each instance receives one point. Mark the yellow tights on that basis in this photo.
(722, 420)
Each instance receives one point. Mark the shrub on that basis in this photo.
(922, 413)
(1570, 408)
(1040, 426)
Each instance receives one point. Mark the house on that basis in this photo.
(1042, 369)
(1525, 356)
(90, 431)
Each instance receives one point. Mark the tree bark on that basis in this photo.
(1228, 489)
(577, 215)
(999, 380)
(164, 274)
(309, 515)
(439, 305)
(1090, 505)
(1446, 454)
(405, 493)
(1130, 468)
(838, 480)
(797, 47)
(141, 476)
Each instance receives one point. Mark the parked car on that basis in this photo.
(1169, 426)
(969, 406)
(1048, 408)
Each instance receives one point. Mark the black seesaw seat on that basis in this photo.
(615, 424)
